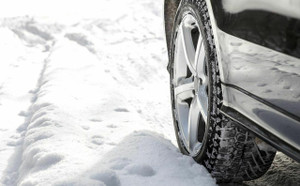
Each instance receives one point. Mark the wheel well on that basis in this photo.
(170, 8)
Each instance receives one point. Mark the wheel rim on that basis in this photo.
(190, 85)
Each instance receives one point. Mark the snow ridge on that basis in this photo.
(22, 160)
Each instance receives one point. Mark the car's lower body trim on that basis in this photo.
(276, 128)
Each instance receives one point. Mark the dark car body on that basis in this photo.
(258, 48)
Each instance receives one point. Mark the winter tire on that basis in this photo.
(229, 152)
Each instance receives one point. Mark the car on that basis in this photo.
(235, 83)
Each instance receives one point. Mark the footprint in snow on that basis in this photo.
(111, 143)
(85, 127)
(96, 120)
(141, 170)
(81, 40)
(112, 126)
(121, 110)
(108, 177)
(98, 140)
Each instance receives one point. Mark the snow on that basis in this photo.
(144, 158)
(84, 96)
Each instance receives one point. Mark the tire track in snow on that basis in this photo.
(12, 174)
(51, 129)
(23, 58)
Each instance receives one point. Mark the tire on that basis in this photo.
(230, 152)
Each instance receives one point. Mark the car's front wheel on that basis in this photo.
(228, 151)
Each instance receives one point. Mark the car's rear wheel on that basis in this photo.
(228, 151)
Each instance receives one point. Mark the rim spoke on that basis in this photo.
(200, 61)
(180, 70)
(193, 124)
(188, 46)
(185, 90)
(183, 108)
(203, 102)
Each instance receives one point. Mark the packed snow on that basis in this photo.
(84, 96)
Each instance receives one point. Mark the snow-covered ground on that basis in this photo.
(84, 96)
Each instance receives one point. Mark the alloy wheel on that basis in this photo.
(190, 85)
